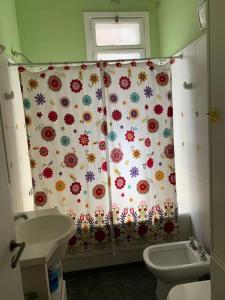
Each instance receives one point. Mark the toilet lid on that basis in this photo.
(191, 291)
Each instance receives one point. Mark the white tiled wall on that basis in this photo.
(15, 139)
(191, 137)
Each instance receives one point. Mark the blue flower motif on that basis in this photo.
(134, 172)
(99, 94)
(65, 140)
(26, 103)
(90, 176)
(86, 100)
(148, 92)
(134, 97)
(112, 136)
(166, 132)
(40, 99)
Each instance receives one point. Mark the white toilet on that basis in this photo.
(191, 291)
(173, 264)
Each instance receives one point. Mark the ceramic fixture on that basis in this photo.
(191, 291)
(174, 263)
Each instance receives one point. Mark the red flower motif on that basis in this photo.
(120, 182)
(72, 241)
(76, 85)
(142, 229)
(48, 133)
(84, 140)
(153, 125)
(172, 178)
(104, 166)
(130, 135)
(39, 114)
(98, 191)
(69, 119)
(148, 142)
(100, 235)
(107, 80)
(40, 198)
(170, 111)
(43, 151)
(83, 67)
(124, 83)
(168, 227)
(51, 68)
(116, 115)
(150, 163)
(21, 69)
(116, 155)
(53, 116)
(151, 65)
(47, 173)
(143, 186)
(42, 75)
(70, 160)
(169, 151)
(54, 83)
(133, 64)
(158, 109)
(118, 65)
(162, 78)
(104, 128)
(75, 188)
(102, 145)
(66, 67)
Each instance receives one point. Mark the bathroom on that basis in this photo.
(101, 197)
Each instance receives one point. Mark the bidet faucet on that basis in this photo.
(202, 253)
(25, 217)
(193, 243)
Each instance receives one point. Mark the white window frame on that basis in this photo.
(91, 17)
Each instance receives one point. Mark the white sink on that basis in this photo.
(44, 229)
(46, 235)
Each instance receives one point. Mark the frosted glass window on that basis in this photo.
(118, 56)
(115, 34)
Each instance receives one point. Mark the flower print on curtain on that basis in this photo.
(101, 150)
(139, 113)
(66, 135)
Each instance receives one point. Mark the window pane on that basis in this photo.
(113, 34)
(118, 56)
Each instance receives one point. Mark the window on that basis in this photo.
(114, 36)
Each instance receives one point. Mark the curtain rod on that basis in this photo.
(92, 61)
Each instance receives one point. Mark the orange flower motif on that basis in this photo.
(33, 83)
(142, 76)
(60, 185)
(159, 175)
(91, 158)
(93, 78)
(136, 153)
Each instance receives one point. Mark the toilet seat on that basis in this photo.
(191, 291)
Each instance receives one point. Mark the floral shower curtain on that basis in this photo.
(101, 148)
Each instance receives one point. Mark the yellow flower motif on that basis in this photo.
(60, 185)
(136, 153)
(159, 175)
(91, 158)
(142, 76)
(93, 78)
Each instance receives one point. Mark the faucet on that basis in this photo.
(202, 253)
(25, 217)
(193, 243)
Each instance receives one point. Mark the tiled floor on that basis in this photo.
(124, 282)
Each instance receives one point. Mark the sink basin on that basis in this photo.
(44, 229)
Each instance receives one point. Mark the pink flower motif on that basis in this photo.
(43, 151)
(143, 186)
(75, 188)
(153, 125)
(172, 178)
(130, 135)
(40, 198)
(169, 151)
(147, 142)
(116, 155)
(84, 140)
(124, 83)
(150, 163)
(162, 78)
(120, 182)
(54, 83)
(98, 191)
(102, 145)
(76, 85)
(104, 166)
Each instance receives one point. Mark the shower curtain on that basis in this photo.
(101, 149)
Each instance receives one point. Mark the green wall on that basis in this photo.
(178, 25)
(9, 36)
(53, 30)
